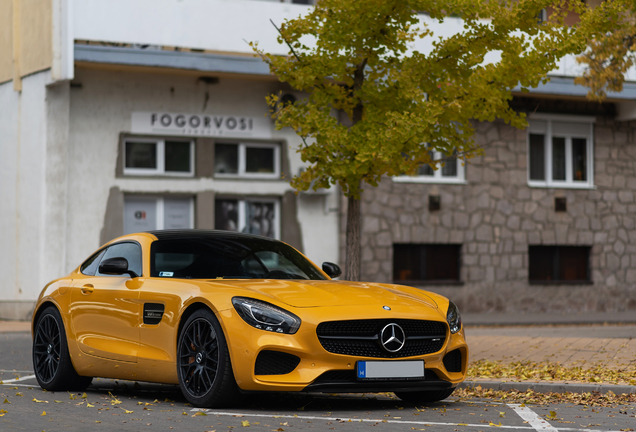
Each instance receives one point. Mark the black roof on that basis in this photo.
(184, 234)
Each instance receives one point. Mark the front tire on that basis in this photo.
(425, 396)
(203, 362)
(51, 360)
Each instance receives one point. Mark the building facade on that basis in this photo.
(109, 124)
(120, 116)
(545, 221)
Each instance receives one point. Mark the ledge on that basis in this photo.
(171, 59)
(564, 282)
(428, 283)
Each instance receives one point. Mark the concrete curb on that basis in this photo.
(549, 387)
(15, 326)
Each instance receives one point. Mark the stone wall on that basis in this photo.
(496, 216)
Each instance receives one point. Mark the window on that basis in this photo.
(231, 258)
(426, 263)
(247, 160)
(89, 267)
(560, 152)
(559, 264)
(542, 16)
(146, 213)
(451, 172)
(130, 251)
(253, 216)
(158, 157)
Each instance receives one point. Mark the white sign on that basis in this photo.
(163, 123)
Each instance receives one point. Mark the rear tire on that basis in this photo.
(51, 360)
(203, 363)
(425, 396)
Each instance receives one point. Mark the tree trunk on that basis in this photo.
(352, 263)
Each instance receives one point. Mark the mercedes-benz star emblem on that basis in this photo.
(392, 337)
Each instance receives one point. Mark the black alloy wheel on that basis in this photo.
(47, 348)
(199, 357)
(51, 360)
(205, 371)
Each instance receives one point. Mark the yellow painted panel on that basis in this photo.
(6, 40)
(36, 48)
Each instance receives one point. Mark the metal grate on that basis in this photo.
(275, 363)
(360, 338)
(453, 361)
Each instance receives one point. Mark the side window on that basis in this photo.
(90, 265)
(130, 251)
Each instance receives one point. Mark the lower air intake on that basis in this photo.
(453, 361)
(275, 363)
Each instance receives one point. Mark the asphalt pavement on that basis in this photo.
(123, 405)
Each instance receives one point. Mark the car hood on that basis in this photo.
(336, 293)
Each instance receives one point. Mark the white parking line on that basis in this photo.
(24, 378)
(533, 419)
(347, 419)
(532, 426)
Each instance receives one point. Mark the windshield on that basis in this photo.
(229, 258)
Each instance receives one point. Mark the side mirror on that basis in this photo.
(116, 266)
(333, 270)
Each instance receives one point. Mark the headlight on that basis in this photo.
(453, 318)
(266, 316)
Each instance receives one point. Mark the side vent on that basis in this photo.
(153, 312)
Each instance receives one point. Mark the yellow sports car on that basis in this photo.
(222, 314)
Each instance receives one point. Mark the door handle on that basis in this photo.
(87, 289)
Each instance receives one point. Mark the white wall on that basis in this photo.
(101, 109)
(219, 25)
(226, 25)
(9, 127)
(28, 248)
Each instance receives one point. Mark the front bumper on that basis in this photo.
(322, 371)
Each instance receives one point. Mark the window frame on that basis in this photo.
(416, 282)
(242, 160)
(557, 249)
(437, 176)
(160, 144)
(568, 183)
(159, 209)
(242, 202)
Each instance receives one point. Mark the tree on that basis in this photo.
(376, 106)
(610, 53)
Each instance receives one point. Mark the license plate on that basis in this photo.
(390, 369)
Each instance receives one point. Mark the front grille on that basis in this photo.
(360, 338)
(453, 361)
(275, 363)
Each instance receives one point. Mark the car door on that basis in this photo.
(105, 309)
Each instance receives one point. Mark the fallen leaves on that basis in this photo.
(550, 371)
(531, 397)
